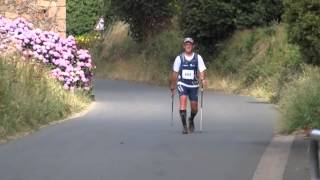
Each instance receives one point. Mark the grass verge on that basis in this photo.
(300, 105)
(256, 62)
(29, 98)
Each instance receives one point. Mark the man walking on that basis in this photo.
(188, 69)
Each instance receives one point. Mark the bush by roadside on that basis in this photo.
(256, 62)
(303, 19)
(300, 105)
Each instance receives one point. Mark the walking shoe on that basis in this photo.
(191, 126)
(185, 130)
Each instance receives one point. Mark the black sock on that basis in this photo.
(183, 115)
(193, 114)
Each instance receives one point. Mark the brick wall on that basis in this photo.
(45, 14)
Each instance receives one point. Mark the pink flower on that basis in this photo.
(65, 60)
(66, 87)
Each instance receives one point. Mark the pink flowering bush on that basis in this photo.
(71, 66)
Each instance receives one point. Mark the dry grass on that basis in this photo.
(253, 62)
(119, 57)
(30, 98)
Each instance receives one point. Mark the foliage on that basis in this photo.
(301, 104)
(207, 21)
(303, 19)
(145, 17)
(82, 15)
(165, 46)
(274, 10)
(250, 13)
(108, 13)
(210, 21)
(257, 62)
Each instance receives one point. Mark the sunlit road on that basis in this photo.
(127, 136)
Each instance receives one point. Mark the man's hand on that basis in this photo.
(202, 77)
(204, 82)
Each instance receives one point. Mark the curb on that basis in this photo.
(274, 160)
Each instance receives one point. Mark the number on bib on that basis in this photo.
(188, 74)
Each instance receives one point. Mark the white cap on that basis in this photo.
(188, 39)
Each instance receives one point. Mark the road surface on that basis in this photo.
(127, 136)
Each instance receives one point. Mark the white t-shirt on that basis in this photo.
(177, 63)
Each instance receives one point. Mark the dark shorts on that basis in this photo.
(192, 93)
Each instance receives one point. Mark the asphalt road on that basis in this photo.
(127, 136)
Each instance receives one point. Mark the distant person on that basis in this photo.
(188, 72)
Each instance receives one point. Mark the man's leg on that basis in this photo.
(183, 107)
(194, 111)
(194, 108)
(183, 113)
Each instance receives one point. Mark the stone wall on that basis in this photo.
(45, 14)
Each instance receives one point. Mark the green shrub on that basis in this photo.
(82, 15)
(235, 52)
(210, 21)
(303, 19)
(251, 13)
(273, 9)
(248, 13)
(259, 59)
(300, 105)
(162, 51)
(207, 21)
(165, 46)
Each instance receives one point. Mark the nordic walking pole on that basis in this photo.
(172, 103)
(201, 109)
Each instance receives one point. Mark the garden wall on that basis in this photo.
(45, 14)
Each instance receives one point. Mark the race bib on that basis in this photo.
(188, 74)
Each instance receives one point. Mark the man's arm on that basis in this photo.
(202, 70)
(202, 75)
(175, 74)
(202, 78)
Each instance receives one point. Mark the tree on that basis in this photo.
(251, 13)
(82, 15)
(208, 21)
(248, 13)
(303, 19)
(145, 17)
(273, 10)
